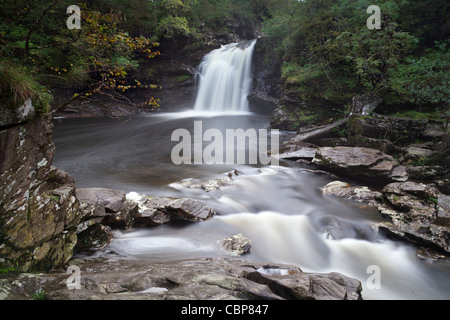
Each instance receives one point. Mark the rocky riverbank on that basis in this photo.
(46, 220)
(400, 166)
(200, 279)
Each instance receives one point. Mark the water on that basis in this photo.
(225, 78)
(281, 209)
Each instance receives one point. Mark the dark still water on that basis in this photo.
(281, 209)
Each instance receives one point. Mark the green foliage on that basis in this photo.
(171, 27)
(7, 270)
(39, 295)
(97, 58)
(328, 51)
(324, 47)
(425, 79)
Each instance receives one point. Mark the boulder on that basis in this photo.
(189, 210)
(110, 205)
(159, 210)
(364, 163)
(237, 244)
(364, 104)
(354, 193)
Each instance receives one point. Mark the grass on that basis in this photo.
(39, 295)
(414, 114)
(16, 87)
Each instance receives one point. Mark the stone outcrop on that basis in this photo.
(156, 211)
(418, 213)
(39, 211)
(360, 194)
(118, 210)
(397, 130)
(197, 279)
(365, 104)
(364, 163)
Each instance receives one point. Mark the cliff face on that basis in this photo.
(38, 208)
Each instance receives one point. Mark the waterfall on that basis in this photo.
(225, 78)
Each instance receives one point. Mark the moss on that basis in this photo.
(7, 270)
(183, 78)
(414, 114)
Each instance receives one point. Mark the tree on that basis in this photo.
(97, 58)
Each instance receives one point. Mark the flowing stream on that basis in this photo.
(281, 209)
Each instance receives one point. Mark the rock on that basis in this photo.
(413, 152)
(111, 200)
(195, 279)
(237, 244)
(39, 211)
(336, 228)
(426, 173)
(429, 255)
(435, 131)
(365, 163)
(443, 204)
(151, 211)
(383, 145)
(14, 116)
(213, 185)
(364, 104)
(158, 210)
(334, 142)
(297, 150)
(111, 205)
(418, 213)
(210, 185)
(293, 284)
(397, 130)
(95, 237)
(287, 118)
(353, 193)
(189, 210)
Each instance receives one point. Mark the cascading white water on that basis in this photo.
(225, 78)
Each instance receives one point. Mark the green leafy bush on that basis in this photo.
(425, 79)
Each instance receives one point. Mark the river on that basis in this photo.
(280, 208)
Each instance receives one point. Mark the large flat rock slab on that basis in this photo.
(365, 163)
(197, 279)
